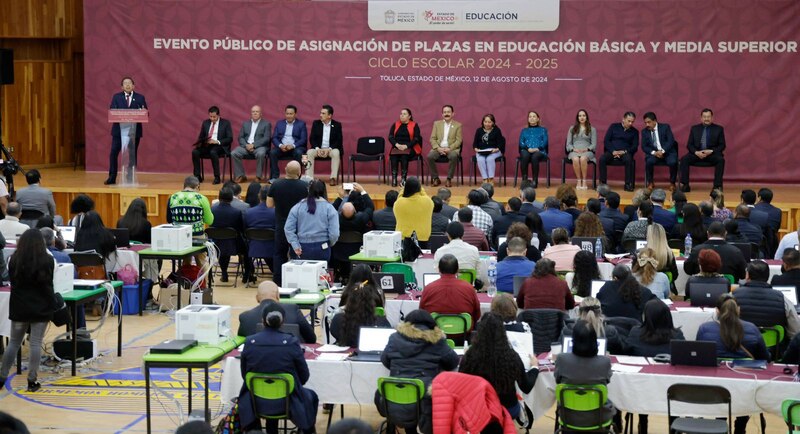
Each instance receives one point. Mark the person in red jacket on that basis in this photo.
(544, 289)
(450, 294)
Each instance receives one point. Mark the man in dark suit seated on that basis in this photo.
(384, 219)
(659, 147)
(512, 215)
(758, 216)
(733, 262)
(791, 271)
(662, 216)
(617, 218)
(439, 221)
(706, 144)
(753, 233)
(289, 138)
(762, 305)
(213, 142)
(268, 293)
(261, 217)
(619, 146)
(448, 210)
(774, 214)
(226, 216)
(707, 212)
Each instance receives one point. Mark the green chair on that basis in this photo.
(467, 275)
(397, 267)
(730, 278)
(669, 276)
(270, 387)
(562, 274)
(699, 394)
(400, 391)
(451, 343)
(581, 408)
(379, 311)
(453, 324)
(773, 336)
(791, 415)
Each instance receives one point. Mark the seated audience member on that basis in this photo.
(34, 197)
(480, 218)
(491, 357)
(528, 196)
(655, 333)
(439, 221)
(752, 232)
(135, 221)
(504, 306)
(448, 210)
(589, 225)
(792, 354)
(678, 202)
(732, 233)
(10, 226)
(692, 224)
(762, 305)
(791, 271)
(706, 212)
(583, 366)
(266, 295)
(661, 215)
(237, 201)
(718, 201)
(562, 252)
(637, 228)
(472, 234)
(774, 214)
(544, 289)
(657, 241)
(758, 217)
(79, 206)
(589, 310)
(512, 215)
(359, 311)
(50, 241)
(261, 217)
(594, 206)
(272, 351)
(383, 219)
(644, 270)
(789, 241)
(539, 238)
(466, 254)
(93, 235)
(491, 206)
(253, 191)
(611, 212)
(639, 196)
(733, 262)
(46, 221)
(226, 216)
(450, 294)
(515, 264)
(418, 350)
(189, 207)
(735, 337)
(519, 230)
(624, 296)
(586, 270)
(553, 217)
(360, 274)
(710, 264)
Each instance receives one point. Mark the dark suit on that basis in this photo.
(226, 216)
(260, 146)
(384, 220)
(752, 232)
(300, 135)
(501, 225)
(618, 138)
(664, 217)
(715, 141)
(315, 139)
(759, 217)
(261, 217)
(668, 145)
(215, 151)
(118, 101)
(249, 320)
(774, 214)
(530, 207)
(733, 262)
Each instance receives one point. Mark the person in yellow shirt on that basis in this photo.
(414, 210)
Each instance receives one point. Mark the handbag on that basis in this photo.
(410, 249)
(230, 424)
(128, 275)
(61, 315)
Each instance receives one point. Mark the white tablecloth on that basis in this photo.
(426, 264)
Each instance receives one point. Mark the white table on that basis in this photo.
(426, 264)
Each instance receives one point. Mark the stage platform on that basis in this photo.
(155, 188)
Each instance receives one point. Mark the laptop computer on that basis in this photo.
(428, 278)
(707, 294)
(585, 243)
(173, 346)
(122, 237)
(693, 353)
(790, 292)
(596, 285)
(567, 345)
(67, 233)
(518, 281)
(641, 244)
(391, 283)
(501, 239)
(371, 343)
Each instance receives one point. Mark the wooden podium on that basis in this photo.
(127, 120)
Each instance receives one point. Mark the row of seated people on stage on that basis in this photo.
(625, 313)
(290, 140)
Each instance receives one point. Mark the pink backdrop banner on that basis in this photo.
(738, 57)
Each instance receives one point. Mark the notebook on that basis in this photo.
(428, 278)
(391, 283)
(707, 294)
(693, 353)
(173, 346)
(567, 345)
(371, 343)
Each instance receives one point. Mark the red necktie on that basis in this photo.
(211, 131)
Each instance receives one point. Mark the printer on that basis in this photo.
(382, 244)
(64, 278)
(171, 238)
(206, 323)
(305, 275)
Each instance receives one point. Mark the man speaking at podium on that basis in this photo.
(121, 134)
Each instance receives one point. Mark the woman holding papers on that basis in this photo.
(489, 145)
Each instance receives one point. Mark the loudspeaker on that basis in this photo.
(6, 66)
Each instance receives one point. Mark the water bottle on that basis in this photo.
(598, 249)
(687, 247)
(492, 273)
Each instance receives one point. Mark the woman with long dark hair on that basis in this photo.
(533, 144)
(586, 270)
(312, 227)
(363, 273)
(655, 333)
(539, 237)
(581, 144)
(32, 302)
(93, 235)
(544, 289)
(624, 296)
(412, 211)
(135, 221)
(692, 224)
(406, 140)
(488, 144)
(251, 197)
(358, 312)
(490, 356)
(519, 230)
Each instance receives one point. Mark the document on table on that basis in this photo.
(333, 357)
(306, 296)
(616, 367)
(632, 360)
(330, 348)
(689, 309)
(667, 301)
